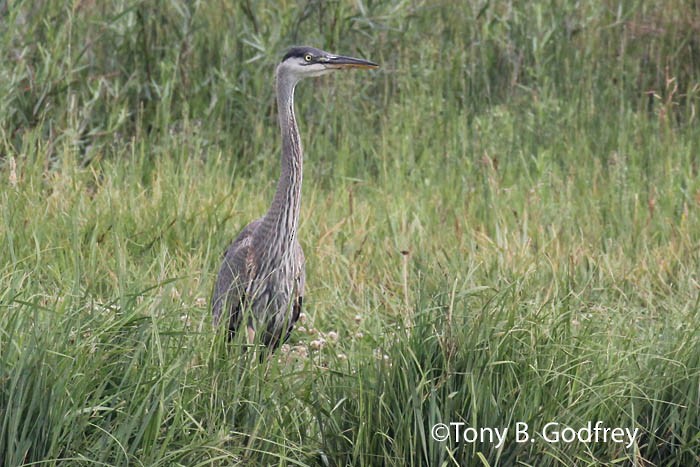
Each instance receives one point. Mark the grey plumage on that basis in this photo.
(263, 269)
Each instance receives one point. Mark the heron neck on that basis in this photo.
(282, 219)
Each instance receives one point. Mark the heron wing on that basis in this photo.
(299, 283)
(229, 289)
(276, 337)
(301, 268)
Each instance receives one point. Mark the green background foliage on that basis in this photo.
(501, 225)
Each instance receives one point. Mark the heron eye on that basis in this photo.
(308, 58)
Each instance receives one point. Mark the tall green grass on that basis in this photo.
(501, 225)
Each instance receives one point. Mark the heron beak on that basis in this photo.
(337, 62)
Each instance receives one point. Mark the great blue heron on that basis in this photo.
(263, 269)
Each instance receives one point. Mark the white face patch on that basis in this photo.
(298, 67)
(316, 69)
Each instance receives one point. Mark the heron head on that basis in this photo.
(304, 62)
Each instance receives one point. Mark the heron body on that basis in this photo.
(263, 269)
